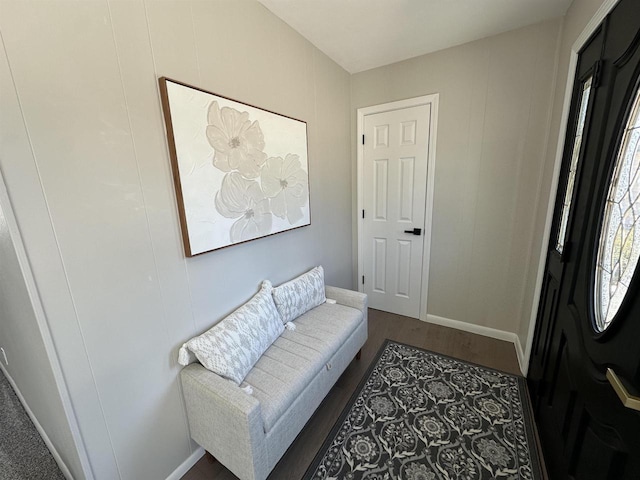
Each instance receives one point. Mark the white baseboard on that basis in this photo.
(484, 331)
(36, 423)
(184, 467)
(524, 364)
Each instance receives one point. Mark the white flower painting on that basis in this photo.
(241, 172)
(244, 200)
(286, 184)
(238, 143)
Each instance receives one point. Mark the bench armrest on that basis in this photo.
(349, 298)
(226, 421)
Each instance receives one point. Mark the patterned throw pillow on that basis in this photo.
(233, 345)
(300, 294)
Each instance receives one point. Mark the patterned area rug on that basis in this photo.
(418, 415)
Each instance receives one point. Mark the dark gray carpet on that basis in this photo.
(23, 453)
(418, 415)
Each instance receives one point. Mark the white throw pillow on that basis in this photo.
(232, 346)
(300, 295)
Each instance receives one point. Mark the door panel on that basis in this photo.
(406, 189)
(598, 452)
(540, 350)
(380, 185)
(403, 284)
(380, 265)
(394, 195)
(586, 432)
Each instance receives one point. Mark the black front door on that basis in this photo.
(587, 334)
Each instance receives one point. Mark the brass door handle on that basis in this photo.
(628, 400)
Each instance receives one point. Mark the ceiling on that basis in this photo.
(364, 34)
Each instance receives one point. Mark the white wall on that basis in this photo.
(85, 160)
(495, 105)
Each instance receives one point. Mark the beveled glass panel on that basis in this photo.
(619, 248)
(573, 167)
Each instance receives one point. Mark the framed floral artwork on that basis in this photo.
(240, 172)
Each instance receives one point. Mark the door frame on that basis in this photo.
(15, 236)
(431, 100)
(604, 10)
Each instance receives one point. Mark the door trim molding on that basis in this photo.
(15, 237)
(431, 100)
(588, 30)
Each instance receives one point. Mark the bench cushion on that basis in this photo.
(232, 346)
(300, 295)
(296, 357)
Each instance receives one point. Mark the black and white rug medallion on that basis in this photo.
(418, 415)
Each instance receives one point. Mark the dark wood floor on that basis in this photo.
(465, 346)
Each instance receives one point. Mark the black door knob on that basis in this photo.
(415, 231)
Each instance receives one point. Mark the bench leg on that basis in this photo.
(359, 354)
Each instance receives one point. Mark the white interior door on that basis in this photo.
(394, 183)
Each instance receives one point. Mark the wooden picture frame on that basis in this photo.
(240, 172)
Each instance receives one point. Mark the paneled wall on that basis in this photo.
(85, 161)
(495, 104)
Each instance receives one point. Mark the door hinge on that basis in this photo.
(363, 279)
(362, 213)
(363, 139)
